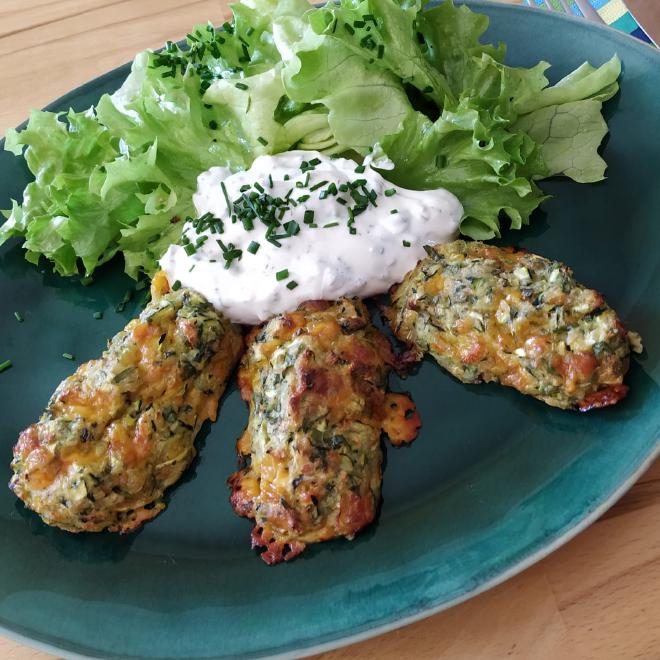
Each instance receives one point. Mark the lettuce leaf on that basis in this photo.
(409, 87)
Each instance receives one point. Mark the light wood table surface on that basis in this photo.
(596, 598)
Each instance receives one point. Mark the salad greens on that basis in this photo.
(408, 87)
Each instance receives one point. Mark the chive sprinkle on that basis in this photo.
(224, 192)
(253, 247)
(5, 365)
(331, 224)
(360, 169)
(291, 285)
(308, 216)
(19, 317)
(428, 90)
(349, 28)
(390, 191)
(262, 140)
(98, 315)
(68, 356)
(381, 51)
(242, 86)
(176, 286)
(406, 243)
(281, 275)
(393, 211)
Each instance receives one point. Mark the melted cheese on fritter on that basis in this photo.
(495, 314)
(315, 381)
(121, 429)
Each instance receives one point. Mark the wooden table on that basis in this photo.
(597, 597)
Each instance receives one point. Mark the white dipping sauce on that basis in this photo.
(325, 263)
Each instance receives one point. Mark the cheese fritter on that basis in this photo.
(315, 381)
(496, 314)
(121, 429)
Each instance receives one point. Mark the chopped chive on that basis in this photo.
(390, 191)
(302, 199)
(292, 228)
(249, 105)
(359, 24)
(343, 187)
(240, 85)
(291, 285)
(281, 275)
(176, 286)
(68, 356)
(98, 315)
(349, 28)
(308, 216)
(334, 26)
(313, 226)
(318, 185)
(250, 31)
(189, 249)
(360, 169)
(331, 224)
(270, 181)
(5, 365)
(406, 243)
(213, 125)
(286, 177)
(352, 230)
(262, 140)
(248, 225)
(19, 317)
(393, 211)
(381, 51)
(253, 247)
(341, 200)
(428, 90)
(224, 192)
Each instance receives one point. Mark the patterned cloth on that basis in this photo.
(613, 12)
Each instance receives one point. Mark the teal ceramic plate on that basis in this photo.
(494, 482)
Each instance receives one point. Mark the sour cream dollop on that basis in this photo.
(325, 260)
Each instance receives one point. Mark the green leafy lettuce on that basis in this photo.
(412, 88)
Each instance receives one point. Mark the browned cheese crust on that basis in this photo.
(121, 429)
(496, 314)
(315, 381)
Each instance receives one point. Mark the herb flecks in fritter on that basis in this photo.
(496, 314)
(121, 429)
(315, 381)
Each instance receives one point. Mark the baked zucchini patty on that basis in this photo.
(315, 381)
(499, 314)
(121, 429)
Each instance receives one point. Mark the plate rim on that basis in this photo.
(592, 516)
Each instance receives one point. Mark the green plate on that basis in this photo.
(494, 482)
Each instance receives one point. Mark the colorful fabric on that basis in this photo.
(613, 12)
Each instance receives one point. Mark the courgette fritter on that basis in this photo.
(315, 381)
(498, 314)
(121, 429)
